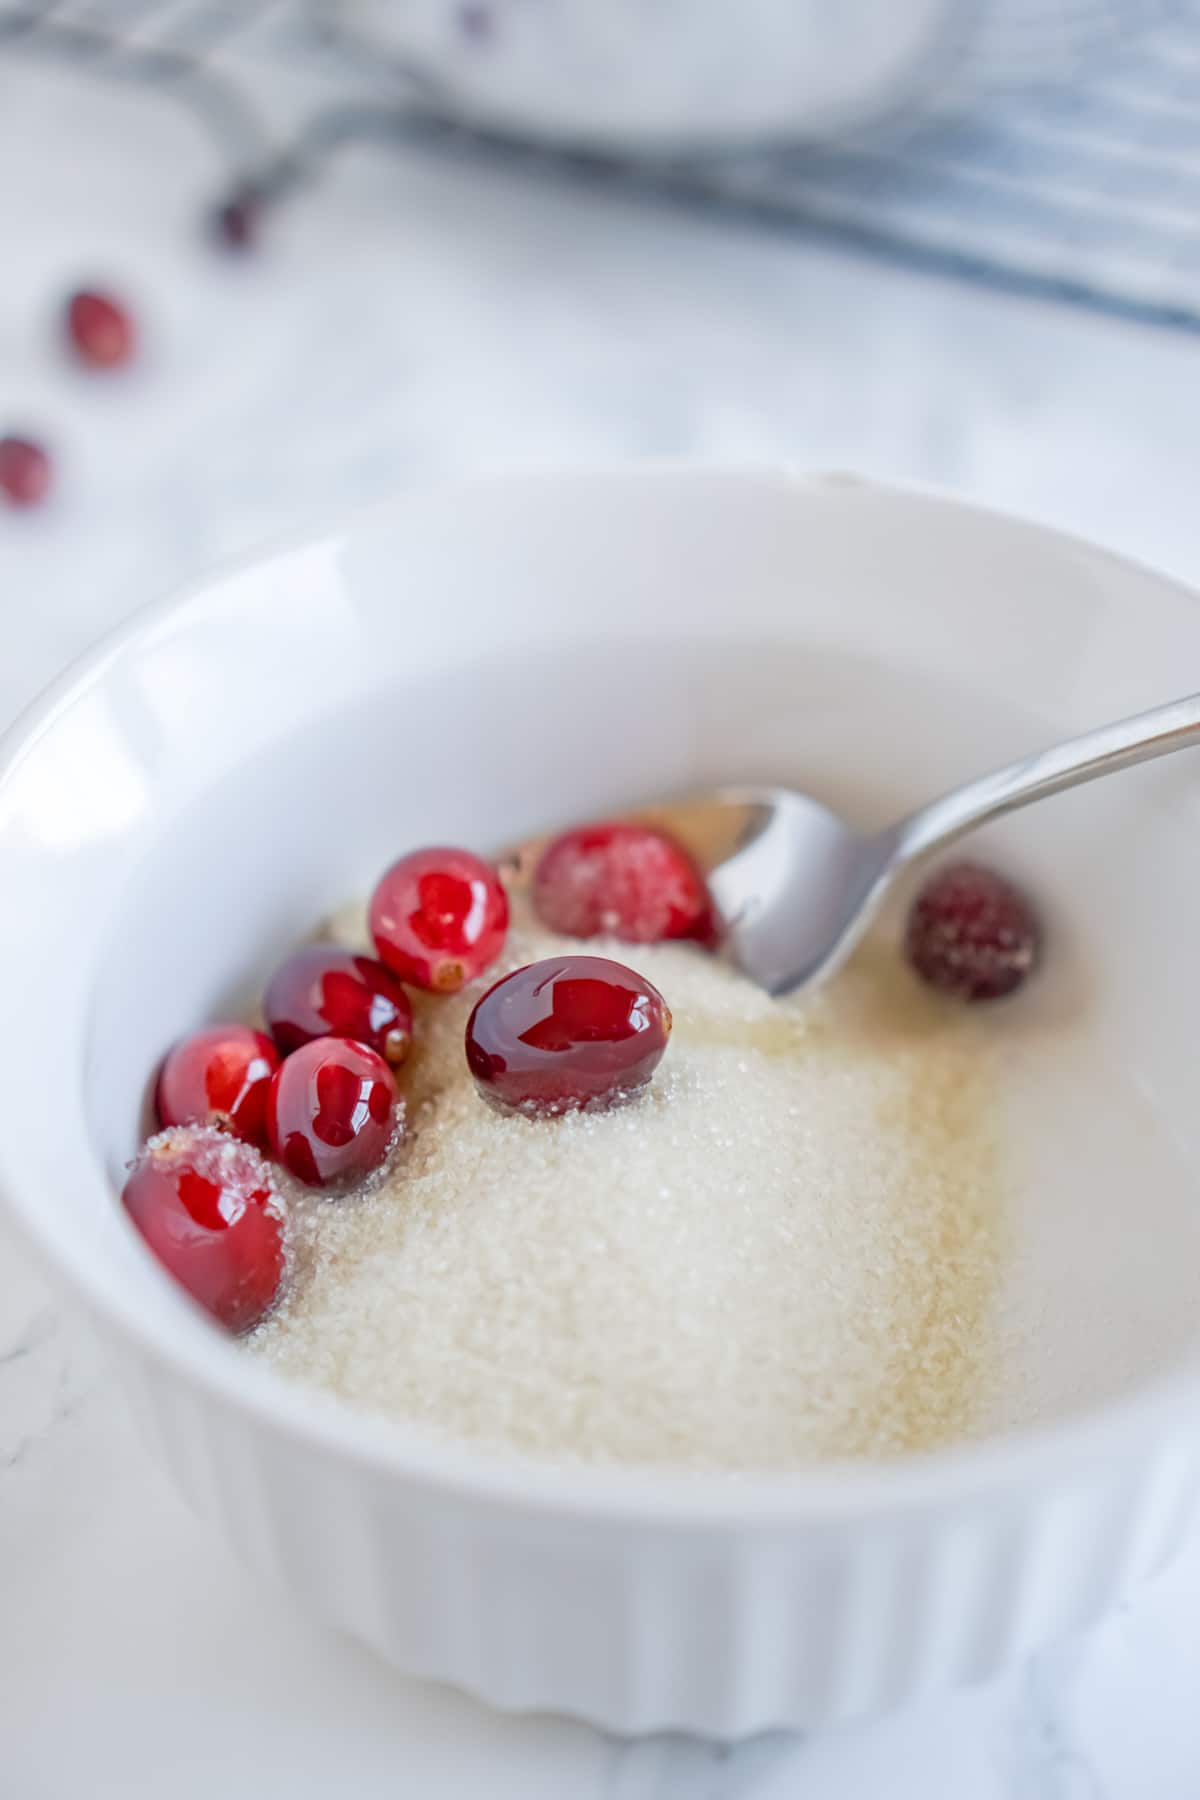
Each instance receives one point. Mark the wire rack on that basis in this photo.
(1085, 191)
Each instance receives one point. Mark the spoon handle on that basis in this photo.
(1175, 726)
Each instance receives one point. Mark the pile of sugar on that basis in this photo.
(786, 1249)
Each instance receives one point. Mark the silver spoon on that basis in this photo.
(796, 887)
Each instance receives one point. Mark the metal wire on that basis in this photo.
(153, 44)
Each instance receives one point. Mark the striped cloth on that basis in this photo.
(1086, 189)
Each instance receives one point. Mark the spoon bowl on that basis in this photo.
(795, 886)
(800, 888)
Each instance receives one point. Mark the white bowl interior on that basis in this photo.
(473, 665)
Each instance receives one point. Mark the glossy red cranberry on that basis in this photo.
(25, 471)
(331, 1111)
(566, 1033)
(207, 1207)
(624, 881)
(322, 991)
(972, 934)
(219, 1076)
(100, 329)
(439, 917)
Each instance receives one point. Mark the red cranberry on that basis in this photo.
(566, 1033)
(238, 220)
(331, 1111)
(100, 329)
(326, 992)
(208, 1209)
(439, 917)
(25, 471)
(624, 881)
(476, 20)
(219, 1076)
(972, 934)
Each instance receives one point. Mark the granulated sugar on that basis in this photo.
(786, 1249)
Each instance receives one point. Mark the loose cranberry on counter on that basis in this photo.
(237, 221)
(322, 991)
(100, 330)
(207, 1208)
(566, 1033)
(621, 880)
(25, 471)
(219, 1076)
(972, 934)
(439, 917)
(331, 1111)
(476, 20)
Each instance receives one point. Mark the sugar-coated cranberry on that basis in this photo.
(972, 934)
(331, 1111)
(207, 1207)
(25, 471)
(439, 917)
(566, 1033)
(101, 331)
(322, 991)
(621, 880)
(219, 1076)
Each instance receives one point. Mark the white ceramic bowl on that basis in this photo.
(618, 74)
(704, 76)
(470, 663)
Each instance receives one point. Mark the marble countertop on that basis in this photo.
(404, 319)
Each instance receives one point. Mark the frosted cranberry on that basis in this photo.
(25, 471)
(331, 1111)
(972, 934)
(326, 992)
(100, 330)
(207, 1207)
(439, 917)
(624, 881)
(219, 1076)
(566, 1033)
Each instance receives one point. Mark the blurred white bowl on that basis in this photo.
(469, 663)
(674, 76)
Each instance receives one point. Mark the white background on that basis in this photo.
(407, 319)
